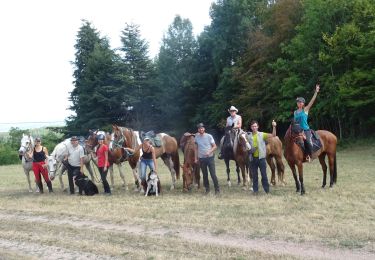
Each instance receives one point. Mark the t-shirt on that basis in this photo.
(100, 153)
(255, 143)
(204, 143)
(75, 154)
(233, 120)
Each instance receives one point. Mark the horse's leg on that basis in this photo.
(280, 170)
(27, 173)
(322, 161)
(122, 175)
(245, 179)
(331, 162)
(137, 180)
(293, 168)
(273, 169)
(169, 163)
(62, 170)
(111, 174)
(226, 161)
(238, 174)
(88, 167)
(300, 175)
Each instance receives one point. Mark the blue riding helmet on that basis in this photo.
(101, 137)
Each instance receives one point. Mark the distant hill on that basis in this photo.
(4, 127)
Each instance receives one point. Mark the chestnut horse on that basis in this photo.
(116, 155)
(275, 156)
(234, 148)
(191, 171)
(168, 151)
(295, 156)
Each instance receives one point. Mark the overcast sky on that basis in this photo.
(37, 39)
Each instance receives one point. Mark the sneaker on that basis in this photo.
(207, 192)
(217, 193)
(107, 194)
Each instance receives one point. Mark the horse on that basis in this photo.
(116, 155)
(27, 144)
(274, 156)
(168, 151)
(125, 137)
(234, 148)
(295, 156)
(58, 154)
(190, 169)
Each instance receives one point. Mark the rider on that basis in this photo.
(301, 115)
(39, 154)
(235, 121)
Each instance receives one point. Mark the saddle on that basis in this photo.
(315, 139)
(155, 140)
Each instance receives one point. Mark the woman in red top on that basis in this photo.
(103, 164)
(39, 154)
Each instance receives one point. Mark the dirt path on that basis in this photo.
(302, 250)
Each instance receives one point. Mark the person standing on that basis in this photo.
(74, 160)
(301, 116)
(258, 154)
(39, 154)
(103, 163)
(204, 152)
(148, 158)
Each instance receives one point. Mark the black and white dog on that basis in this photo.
(152, 186)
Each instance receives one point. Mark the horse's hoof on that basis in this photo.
(30, 190)
(323, 186)
(244, 188)
(229, 184)
(172, 187)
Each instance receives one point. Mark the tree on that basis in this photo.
(138, 77)
(174, 68)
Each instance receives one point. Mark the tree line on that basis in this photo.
(258, 55)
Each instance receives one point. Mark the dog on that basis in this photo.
(86, 185)
(152, 186)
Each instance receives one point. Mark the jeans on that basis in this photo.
(143, 167)
(103, 176)
(209, 163)
(308, 142)
(261, 164)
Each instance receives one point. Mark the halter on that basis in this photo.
(27, 149)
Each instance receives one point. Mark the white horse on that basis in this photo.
(27, 144)
(55, 165)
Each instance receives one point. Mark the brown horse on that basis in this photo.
(168, 151)
(274, 156)
(295, 156)
(116, 155)
(234, 148)
(191, 171)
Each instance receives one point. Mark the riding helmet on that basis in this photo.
(101, 137)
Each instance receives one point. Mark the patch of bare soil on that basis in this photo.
(302, 250)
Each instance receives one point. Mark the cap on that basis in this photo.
(300, 99)
(37, 139)
(73, 138)
(200, 125)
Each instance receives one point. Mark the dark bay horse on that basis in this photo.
(190, 169)
(168, 151)
(295, 156)
(234, 148)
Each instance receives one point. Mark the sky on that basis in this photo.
(37, 48)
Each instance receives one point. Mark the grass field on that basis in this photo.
(337, 223)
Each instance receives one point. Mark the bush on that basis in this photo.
(8, 155)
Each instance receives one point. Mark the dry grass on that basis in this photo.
(339, 218)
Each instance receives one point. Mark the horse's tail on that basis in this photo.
(334, 169)
(176, 163)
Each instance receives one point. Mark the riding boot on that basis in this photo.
(49, 185)
(40, 186)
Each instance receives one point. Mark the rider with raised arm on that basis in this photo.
(301, 116)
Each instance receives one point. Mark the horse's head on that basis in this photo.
(51, 166)
(91, 141)
(27, 143)
(229, 136)
(187, 175)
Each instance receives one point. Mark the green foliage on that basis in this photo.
(8, 155)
